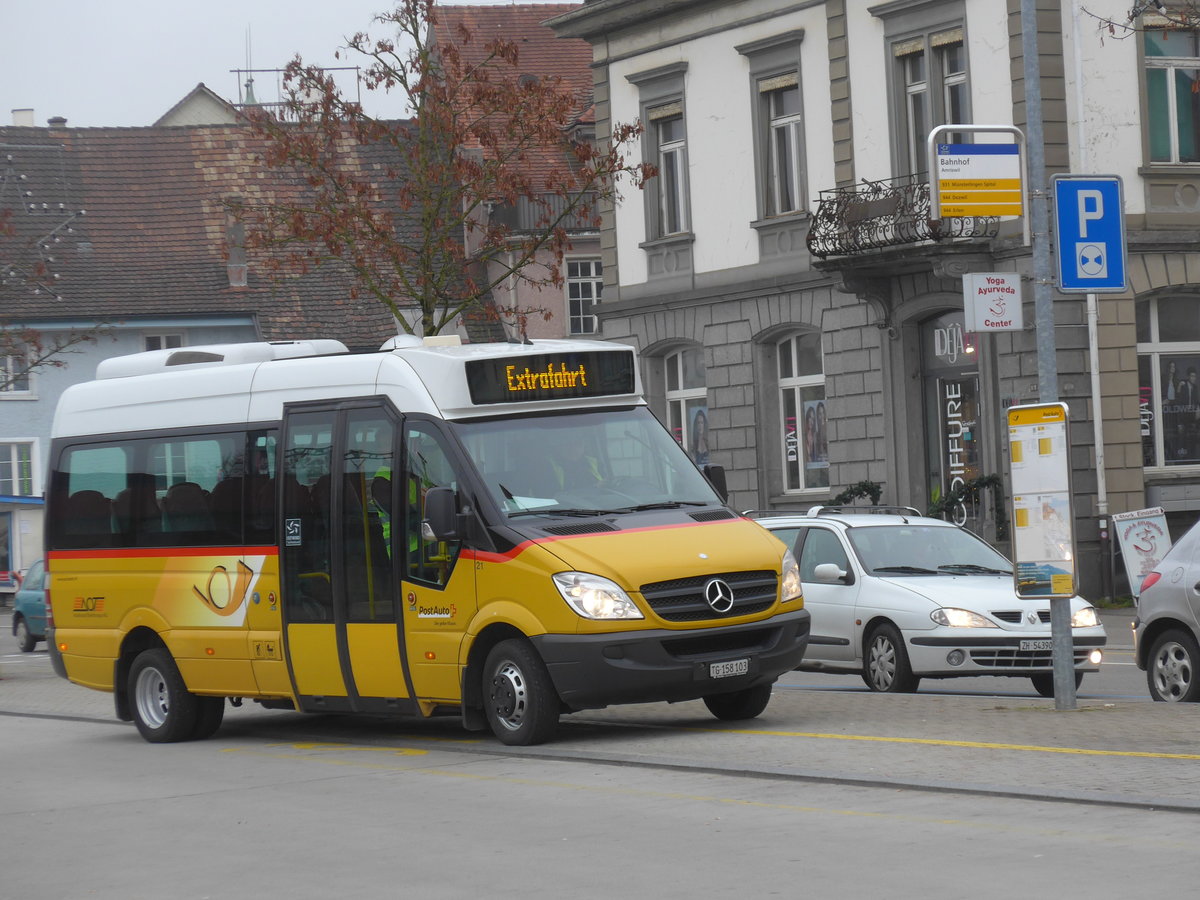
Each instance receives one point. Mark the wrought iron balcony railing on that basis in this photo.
(878, 214)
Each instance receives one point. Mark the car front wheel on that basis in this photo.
(885, 664)
(740, 704)
(1171, 668)
(1043, 682)
(25, 639)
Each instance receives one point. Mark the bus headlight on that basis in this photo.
(594, 597)
(789, 581)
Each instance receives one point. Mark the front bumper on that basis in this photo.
(1000, 655)
(593, 671)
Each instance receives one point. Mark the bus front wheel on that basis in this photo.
(164, 710)
(518, 695)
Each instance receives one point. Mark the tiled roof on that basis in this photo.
(153, 239)
(539, 53)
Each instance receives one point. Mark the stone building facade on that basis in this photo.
(801, 319)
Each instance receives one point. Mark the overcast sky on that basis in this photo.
(126, 62)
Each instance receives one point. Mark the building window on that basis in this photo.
(803, 413)
(163, 341)
(778, 122)
(16, 469)
(1172, 58)
(15, 377)
(660, 100)
(687, 402)
(670, 142)
(1168, 333)
(931, 74)
(585, 280)
(780, 99)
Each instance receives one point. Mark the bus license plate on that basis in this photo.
(1037, 645)
(725, 669)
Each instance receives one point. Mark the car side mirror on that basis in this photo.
(830, 573)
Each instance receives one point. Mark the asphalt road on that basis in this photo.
(944, 792)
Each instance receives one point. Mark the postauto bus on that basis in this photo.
(501, 532)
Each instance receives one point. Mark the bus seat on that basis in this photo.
(88, 521)
(185, 509)
(137, 512)
(225, 502)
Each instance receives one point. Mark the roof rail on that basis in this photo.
(756, 513)
(875, 510)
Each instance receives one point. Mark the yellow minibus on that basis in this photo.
(500, 532)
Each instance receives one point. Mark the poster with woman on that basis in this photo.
(1180, 396)
(816, 446)
(698, 431)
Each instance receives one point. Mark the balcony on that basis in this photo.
(875, 215)
(530, 214)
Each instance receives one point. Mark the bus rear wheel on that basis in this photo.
(518, 695)
(163, 708)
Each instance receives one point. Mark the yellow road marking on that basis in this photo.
(935, 742)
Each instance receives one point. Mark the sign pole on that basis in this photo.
(1043, 307)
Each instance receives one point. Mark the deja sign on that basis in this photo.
(992, 302)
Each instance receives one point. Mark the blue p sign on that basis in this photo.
(1089, 220)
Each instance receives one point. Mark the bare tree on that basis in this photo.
(404, 207)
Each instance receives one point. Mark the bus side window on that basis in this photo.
(84, 490)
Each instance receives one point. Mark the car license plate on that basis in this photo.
(725, 669)
(1037, 645)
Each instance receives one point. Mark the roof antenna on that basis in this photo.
(250, 99)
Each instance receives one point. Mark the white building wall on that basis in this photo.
(717, 105)
(1104, 98)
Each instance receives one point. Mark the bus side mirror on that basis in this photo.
(716, 477)
(441, 513)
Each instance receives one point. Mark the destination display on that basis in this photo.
(551, 376)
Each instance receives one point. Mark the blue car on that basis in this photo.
(29, 609)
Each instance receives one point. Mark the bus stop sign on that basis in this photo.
(1089, 229)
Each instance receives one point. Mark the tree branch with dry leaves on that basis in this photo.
(406, 208)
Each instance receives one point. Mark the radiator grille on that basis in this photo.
(682, 599)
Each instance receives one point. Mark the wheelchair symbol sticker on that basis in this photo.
(1091, 260)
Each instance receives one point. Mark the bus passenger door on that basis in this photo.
(344, 638)
(438, 586)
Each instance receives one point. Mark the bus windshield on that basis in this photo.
(587, 463)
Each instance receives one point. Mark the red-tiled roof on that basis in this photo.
(153, 239)
(539, 53)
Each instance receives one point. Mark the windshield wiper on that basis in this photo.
(565, 511)
(905, 570)
(664, 504)
(972, 567)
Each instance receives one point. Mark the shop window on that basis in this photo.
(1169, 381)
(803, 413)
(687, 402)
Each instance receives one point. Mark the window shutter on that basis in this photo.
(666, 111)
(777, 82)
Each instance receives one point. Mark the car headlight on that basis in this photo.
(789, 582)
(1085, 618)
(594, 597)
(961, 618)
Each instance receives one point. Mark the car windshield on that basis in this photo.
(915, 549)
(583, 463)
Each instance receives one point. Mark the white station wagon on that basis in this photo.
(898, 597)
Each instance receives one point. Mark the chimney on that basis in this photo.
(23, 118)
(57, 121)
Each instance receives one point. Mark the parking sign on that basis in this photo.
(1089, 228)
